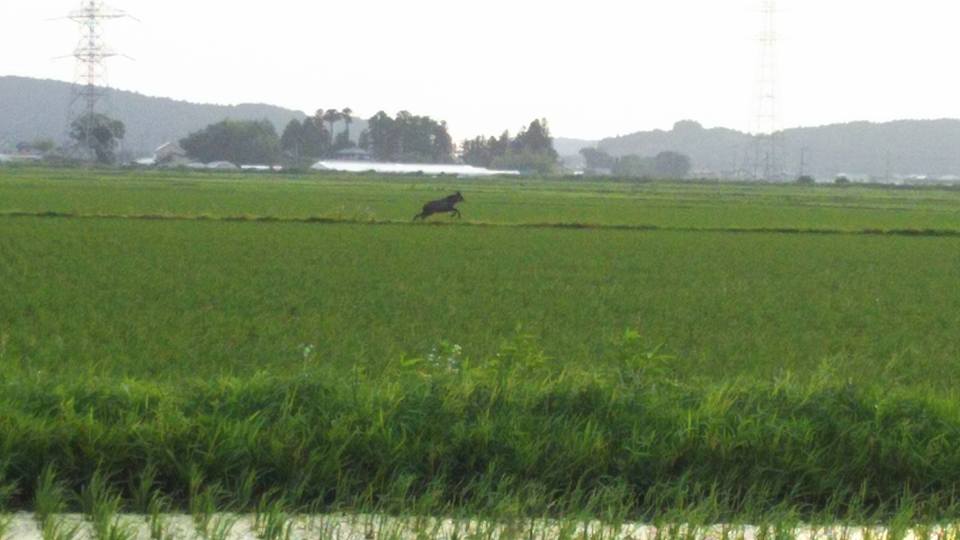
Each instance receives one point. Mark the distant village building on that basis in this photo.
(859, 178)
(168, 152)
(354, 154)
(167, 155)
(24, 148)
(705, 174)
(27, 152)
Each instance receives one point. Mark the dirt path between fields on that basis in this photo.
(319, 220)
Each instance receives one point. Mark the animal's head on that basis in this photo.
(458, 197)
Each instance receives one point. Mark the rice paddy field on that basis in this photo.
(656, 352)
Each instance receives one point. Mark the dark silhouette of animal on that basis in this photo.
(441, 206)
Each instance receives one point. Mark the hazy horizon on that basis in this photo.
(600, 72)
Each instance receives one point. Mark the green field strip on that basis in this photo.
(653, 353)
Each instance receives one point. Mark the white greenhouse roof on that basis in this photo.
(407, 168)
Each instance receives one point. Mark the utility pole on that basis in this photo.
(91, 54)
(769, 154)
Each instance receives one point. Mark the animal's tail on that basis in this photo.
(418, 216)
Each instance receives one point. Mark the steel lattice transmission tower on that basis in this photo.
(769, 149)
(91, 53)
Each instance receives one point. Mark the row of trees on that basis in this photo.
(234, 141)
(95, 137)
(405, 138)
(245, 141)
(98, 134)
(313, 137)
(531, 150)
(663, 165)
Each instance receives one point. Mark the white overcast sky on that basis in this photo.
(593, 69)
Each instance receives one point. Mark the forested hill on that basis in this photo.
(35, 108)
(904, 147)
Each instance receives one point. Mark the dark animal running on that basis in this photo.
(441, 206)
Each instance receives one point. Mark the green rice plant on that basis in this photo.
(6, 520)
(157, 507)
(49, 503)
(786, 530)
(536, 441)
(101, 507)
(144, 491)
(49, 499)
(221, 526)
(728, 531)
(925, 531)
(898, 527)
(204, 503)
(244, 494)
(7, 492)
(271, 521)
(57, 528)
(380, 526)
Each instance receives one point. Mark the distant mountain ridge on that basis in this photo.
(898, 148)
(38, 108)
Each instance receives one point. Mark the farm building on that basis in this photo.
(169, 152)
(7, 158)
(222, 165)
(354, 154)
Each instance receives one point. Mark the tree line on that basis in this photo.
(314, 136)
(404, 138)
(663, 165)
(407, 138)
(530, 150)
